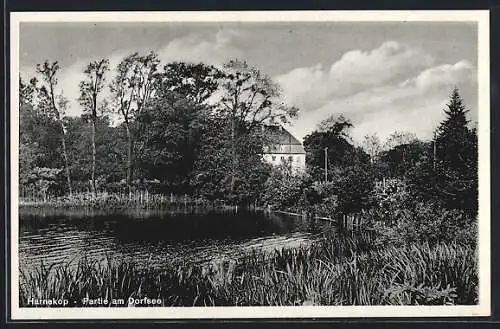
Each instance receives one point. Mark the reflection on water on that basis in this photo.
(155, 237)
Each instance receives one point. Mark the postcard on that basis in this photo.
(241, 165)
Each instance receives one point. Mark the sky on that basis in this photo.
(383, 76)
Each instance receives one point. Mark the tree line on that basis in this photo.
(183, 127)
(196, 129)
(360, 176)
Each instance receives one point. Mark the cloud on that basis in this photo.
(215, 49)
(197, 48)
(356, 70)
(445, 75)
(414, 104)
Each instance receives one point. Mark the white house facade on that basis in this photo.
(284, 149)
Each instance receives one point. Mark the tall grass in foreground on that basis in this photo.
(326, 274)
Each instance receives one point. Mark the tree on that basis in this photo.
(336, 125)
(402, 159)
(56, 106)
(110, 152)
(213, 161)
(456, 157)
(28, 147)
(89, 91)
(171, 123)
(249, 99)
(132, 88)
(332, 133)
(27, 92)
(353, 185)
(350, 173)
(399, 138)
(372, 146)
(197, 82)
(172, 131)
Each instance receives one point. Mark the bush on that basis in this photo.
(282, 190)
(424, 221)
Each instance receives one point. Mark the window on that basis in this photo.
(290, 158)
(273, 158)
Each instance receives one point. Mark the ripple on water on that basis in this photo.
(54, 239)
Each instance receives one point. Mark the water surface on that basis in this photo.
(156, 237)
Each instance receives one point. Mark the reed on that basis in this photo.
(331, 272)
(138, 199)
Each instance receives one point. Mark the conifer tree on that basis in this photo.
(456, 157)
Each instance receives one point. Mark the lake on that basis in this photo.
(156, 237)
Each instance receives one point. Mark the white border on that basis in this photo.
(481, 17)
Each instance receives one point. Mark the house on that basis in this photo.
(284, 148)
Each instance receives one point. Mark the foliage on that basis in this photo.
(196, 82)
(398, 224)
(401, 160)
(90, 88)
(248, 99)
(353, 186)
(39, 140)
(399, 138)
(333, 272)
(132, 88)
(372, 145)
(197, 129)
(41, 182)
(126, 200)
(331, 135)
(350, 174)
(216, 176)
(110, 153)
(457, 157)
(399, 218)
(283, 190)
(250, 96)
(172, 129)
(391, 195)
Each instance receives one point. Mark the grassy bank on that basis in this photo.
(331, 272)
(119, 201)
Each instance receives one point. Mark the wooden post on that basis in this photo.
(326, 164)
(434, 153)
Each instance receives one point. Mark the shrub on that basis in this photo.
(282, 190)
(424, 221)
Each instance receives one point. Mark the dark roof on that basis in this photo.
(281, 136)
(282, 141)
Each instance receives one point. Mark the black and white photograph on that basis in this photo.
(250, 164)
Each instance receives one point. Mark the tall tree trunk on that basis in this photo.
(129, 156)
(63, 141)
(233, 154)
(65, 156)
(94, 190)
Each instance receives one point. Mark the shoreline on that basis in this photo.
(142, 200)
(330, 278)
